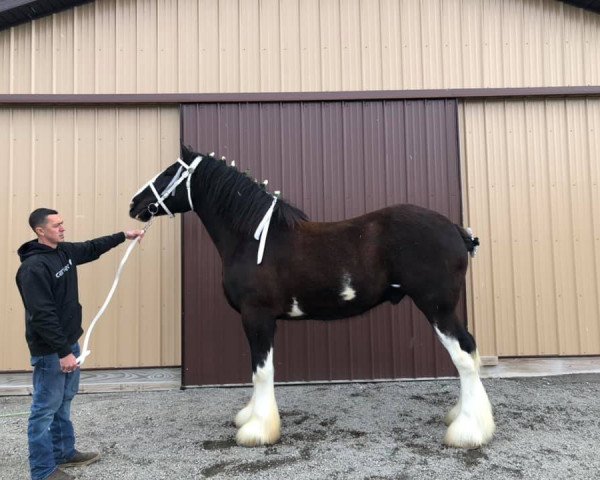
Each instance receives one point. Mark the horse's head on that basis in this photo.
(166, 193)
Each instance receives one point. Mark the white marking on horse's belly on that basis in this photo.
(347, 293)
(295, 311)
(395, 285)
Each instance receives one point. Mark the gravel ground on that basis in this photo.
(548, 428)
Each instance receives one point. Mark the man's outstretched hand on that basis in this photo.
(131, 234)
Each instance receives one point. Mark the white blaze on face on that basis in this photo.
(295, 311)
(348, 293)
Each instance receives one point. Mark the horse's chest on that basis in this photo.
(259, 287)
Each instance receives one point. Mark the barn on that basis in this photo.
(486, 111)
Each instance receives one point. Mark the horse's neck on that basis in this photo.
(219, 231)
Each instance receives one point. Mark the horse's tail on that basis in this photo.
(471, 242)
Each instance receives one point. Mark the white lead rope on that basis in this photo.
(183, 173)
(85, 352)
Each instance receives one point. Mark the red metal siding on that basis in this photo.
(334, 160)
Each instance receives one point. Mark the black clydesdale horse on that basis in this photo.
(279, 265)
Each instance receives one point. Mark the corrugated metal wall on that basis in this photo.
(148, 46)
(532, 192)
(334, 160)
(86, 163)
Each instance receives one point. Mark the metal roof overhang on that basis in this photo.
(15, 12)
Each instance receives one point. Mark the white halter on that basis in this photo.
(183, 172)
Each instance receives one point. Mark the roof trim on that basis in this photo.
(179, 98)
(17, 12)
(590, 5)
(7, 5)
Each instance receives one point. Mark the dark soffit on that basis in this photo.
(591, 5)
(15, 12)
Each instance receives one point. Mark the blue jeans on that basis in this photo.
(50, 431)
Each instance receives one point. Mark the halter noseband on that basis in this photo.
(184, 172)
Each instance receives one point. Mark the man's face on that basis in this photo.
(53, 232)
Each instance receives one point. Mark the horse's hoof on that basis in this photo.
(254, 433)
(469, 432)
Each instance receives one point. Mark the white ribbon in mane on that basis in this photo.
(262, 230)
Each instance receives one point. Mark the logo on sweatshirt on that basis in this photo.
(64, 270)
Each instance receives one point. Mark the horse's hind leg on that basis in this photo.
(259, 422)
(471, 423)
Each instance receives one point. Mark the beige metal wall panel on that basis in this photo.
(431, 32)
(270, 42)
(370, 43)
(531, 193)
(452, 44)
(63, 44)
(84, 28)
(5, 60)
(107, 70)
(591, 38)
(249, 47)
(168, 62)
(305, 74)
(331, 59)
(87, 162)
(210, 46)
(126, 43)
(292, 54)
(42, 33)
(350, 46)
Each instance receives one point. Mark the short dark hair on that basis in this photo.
(38, 217)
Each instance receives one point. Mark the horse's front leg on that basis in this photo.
(259, 422)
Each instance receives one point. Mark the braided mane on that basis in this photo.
(238, 198)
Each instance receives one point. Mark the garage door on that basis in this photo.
(334, 160)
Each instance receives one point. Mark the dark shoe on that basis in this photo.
(81, 459)
(58, 474)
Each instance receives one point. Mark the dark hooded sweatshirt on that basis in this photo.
(47, 281)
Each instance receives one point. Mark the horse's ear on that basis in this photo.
(186, 151)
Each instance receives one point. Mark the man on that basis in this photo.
(47, 282)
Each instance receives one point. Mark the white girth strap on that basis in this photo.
(262, 230)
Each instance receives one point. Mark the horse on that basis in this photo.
(277, 264)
